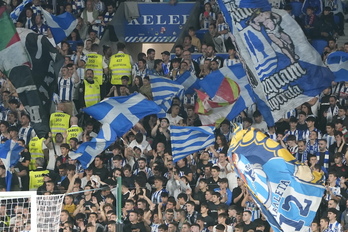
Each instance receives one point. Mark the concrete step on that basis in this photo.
(343, 39)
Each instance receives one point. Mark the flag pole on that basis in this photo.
(119, 204)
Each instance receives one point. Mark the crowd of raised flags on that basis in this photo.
(275, 76)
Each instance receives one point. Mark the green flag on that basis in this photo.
(12, 52)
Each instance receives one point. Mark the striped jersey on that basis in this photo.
(66, 89)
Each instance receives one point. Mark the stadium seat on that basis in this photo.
(200, 34)
(336, 19)
(296, 8)
(319, 45)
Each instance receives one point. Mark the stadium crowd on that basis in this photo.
(199, 193)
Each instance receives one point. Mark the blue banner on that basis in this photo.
(158, 22)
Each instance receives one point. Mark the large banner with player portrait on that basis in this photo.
(284, 69)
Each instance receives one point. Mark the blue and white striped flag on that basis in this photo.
(163, 92)
(287, 191)
(87, 151)
(187, 140)
(189, 81)
(10, 154)
(122, 113)
(338, 64)
(61, 26)
(18, 10)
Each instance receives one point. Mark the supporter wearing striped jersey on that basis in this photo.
(249, 205)
(143, 168)
(109, 14)
(301, 154)
(156, 195)
(324, 225)
(66, 88)
(26, 132)
(79, 55)
(293, 129)
(232, 58)
(330, 134)
(291, 144)
(310, 121)
(139, 69)
(334, 225)
(323, 154)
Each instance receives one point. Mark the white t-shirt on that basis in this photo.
(262, 126)
(51, 156)
(144, 145)
(174, 121)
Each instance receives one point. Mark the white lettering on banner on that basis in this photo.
(134, 22)
(283, 97)
(160, 20)
(274, 83)
(184, 18)
(45, 92)
(278, 195)
(239, 14)
(34, 113)
(174, 19)
(148, 19)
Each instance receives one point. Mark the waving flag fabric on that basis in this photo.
(203, 103)
(286, 191)
(35, 87)
(163, 92)
(237, 74)
(189, 81)
(220, 91)
(12, 52)
(187, 140)
(122, 113)
(32, 64)
(87, 151)
(10, 154)
(338, 64)
(18, 10)
(283, 68)
(118, 115)
(61, 26)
